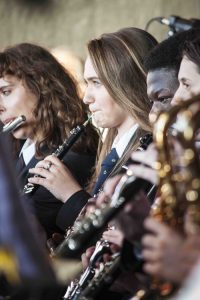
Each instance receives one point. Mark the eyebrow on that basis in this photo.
(5, 86)
(184, 79)
(157, 91)
(91, 78)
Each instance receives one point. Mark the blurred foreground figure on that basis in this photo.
(23, 262)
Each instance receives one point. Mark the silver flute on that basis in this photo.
(60, 152)
(11, 126)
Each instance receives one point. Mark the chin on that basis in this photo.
(19, 134)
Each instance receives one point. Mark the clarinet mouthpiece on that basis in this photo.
(87, 121)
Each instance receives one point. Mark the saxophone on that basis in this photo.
(179, 183)
(179, 180)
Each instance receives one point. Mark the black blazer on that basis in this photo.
(44, 205)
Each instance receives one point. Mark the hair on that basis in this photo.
(59, 107)
(118, 59)
(168, 54)
(192, 51)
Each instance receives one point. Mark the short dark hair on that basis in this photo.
(192, 51)
(168, 53)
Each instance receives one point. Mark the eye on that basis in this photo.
(6, 92)
(185, 85)
(164, 99)
(96, 82)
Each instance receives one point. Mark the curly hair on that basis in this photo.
(59, 107)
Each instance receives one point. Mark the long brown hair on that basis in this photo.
(118, 60)
(59, 107)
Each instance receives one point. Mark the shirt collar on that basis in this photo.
(28, 151)
(124, 140)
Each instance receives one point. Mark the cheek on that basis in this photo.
(196, 90)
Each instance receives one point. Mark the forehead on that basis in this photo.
(161, 79)
(188, 68)
(8, 79)
(89, 70)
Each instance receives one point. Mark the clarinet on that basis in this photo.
(78, 286)
(11, 126)
(91, 226)
(103, 280)
(60, 152)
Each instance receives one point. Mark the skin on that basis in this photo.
(168, 254)
(161, 86)
(106, 113)
(16, 100)
(189, 81)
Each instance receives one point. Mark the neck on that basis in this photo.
(124, 127)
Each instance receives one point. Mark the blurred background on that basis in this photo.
(71, 23)
(68, 24)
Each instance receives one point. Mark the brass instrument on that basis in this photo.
(179, 181)
(60, 152)
(11, 126)
(179, 184)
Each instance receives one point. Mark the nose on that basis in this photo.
(2, 108)
(88, 97)
(178, 96)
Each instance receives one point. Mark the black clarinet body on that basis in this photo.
(60, 152)
(90, 227)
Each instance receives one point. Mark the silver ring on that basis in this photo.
(48, 166)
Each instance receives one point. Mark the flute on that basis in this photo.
(61, 151)
(11, 126)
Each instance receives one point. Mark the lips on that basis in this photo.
(8, 120)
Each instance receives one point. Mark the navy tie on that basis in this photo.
(106, 168)
(20, 164)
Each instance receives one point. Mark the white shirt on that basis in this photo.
(28, 151)
(121, 145)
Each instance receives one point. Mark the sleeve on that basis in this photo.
(71, 209)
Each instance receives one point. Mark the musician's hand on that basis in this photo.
(147, 157)
(54, 241)
(146, 168)
(108, 190)
(168, 255)
(131, 218)
(55, 177)
(114, 236)
(85, 257)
